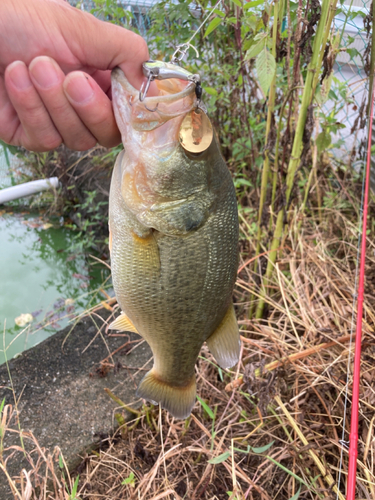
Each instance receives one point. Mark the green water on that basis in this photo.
(40, 273)
(37, 275)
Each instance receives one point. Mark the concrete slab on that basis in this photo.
(62, 398)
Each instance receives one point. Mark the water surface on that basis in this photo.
(40, 276)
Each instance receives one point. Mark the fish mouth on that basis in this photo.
(136, 119)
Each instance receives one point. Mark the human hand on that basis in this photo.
(55, 74)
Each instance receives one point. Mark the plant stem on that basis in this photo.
(266, 163)
(276, 160)
(307, 96)
(308, 184)
(322, 467)
(288, 359)
(121, 403)
(331, 15)
(278, 129)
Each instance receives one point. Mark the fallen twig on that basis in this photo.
(288, 359)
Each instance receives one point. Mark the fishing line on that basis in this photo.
(357, 297)
(179, 49)
(345, 444)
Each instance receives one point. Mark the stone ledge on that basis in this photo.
(62, 399)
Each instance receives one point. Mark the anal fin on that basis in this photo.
(224, 343)
(123, 324)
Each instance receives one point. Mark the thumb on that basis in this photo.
(103, 45)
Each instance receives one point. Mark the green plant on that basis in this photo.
(212, 415)
(130, 480)
(71, 495)
(267, 71)
(8, 149)
(112, 12)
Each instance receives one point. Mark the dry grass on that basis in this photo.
(274, 424)
(39, 479)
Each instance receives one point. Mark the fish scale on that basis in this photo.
(174, 250)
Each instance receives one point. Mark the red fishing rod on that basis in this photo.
(353, 437)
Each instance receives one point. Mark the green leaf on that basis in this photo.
(323, 141)
(210, 90)
(237, 2)
(352, 53)
(266, 66)
(262, 449)
(255, 3)
(242, 182)
(285, 469)
(350, 39)
(61, 463)
(253, 21)
(75, 487)
(206, 407)
(2, 405)
(220, 458)
(255, 49)
(219, 12)
(260, 36)
(295, 497)
(247, 44)
(129, 479)
(12, 149)
(233, 20)
(213, 25)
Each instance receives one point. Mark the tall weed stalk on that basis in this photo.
(310, 86)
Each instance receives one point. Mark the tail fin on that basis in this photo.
(178, 400)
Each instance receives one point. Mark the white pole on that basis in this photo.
(27, 189)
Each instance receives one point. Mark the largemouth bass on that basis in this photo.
(173, 241)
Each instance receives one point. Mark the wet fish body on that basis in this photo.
(173, 241)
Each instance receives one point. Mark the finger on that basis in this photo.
(48, 79)
(9, 122)
(93, 107)
(104, 45)
(103, 79)
(37, 132)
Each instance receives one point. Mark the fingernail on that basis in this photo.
(78, 88)
(19, 75)
(44, 71)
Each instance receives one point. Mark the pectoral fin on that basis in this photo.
(123, 324)
(146, 253)
(224, 343)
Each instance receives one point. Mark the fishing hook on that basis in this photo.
(158, 70)
(182, 49)
(143, 95)
(152, 110)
